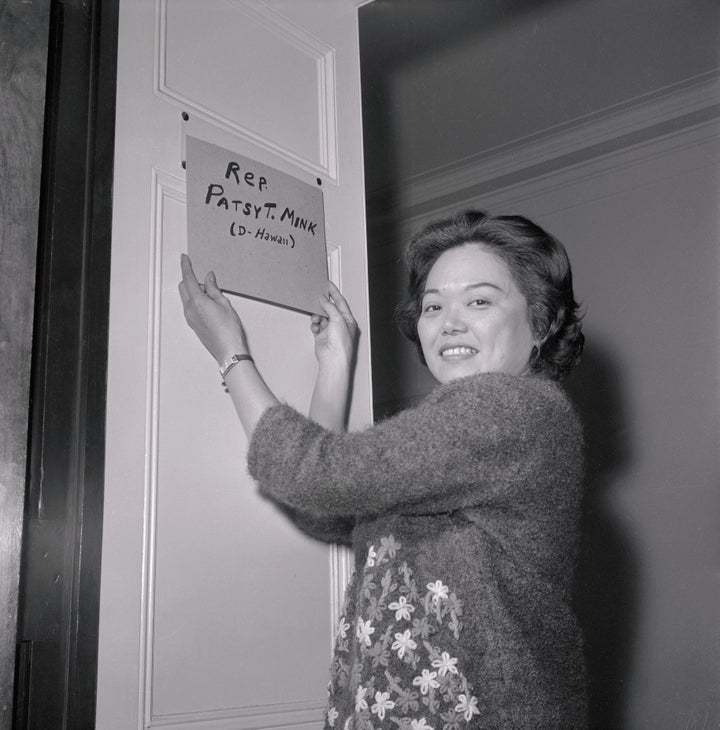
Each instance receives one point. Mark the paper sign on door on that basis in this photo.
(260, 230)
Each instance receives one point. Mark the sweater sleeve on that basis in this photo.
(473, 441)
(322, 527)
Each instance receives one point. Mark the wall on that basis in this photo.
(643, 239)
(449, 79)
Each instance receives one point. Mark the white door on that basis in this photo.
(215, 611)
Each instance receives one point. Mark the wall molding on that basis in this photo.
(298, 715)
(341, 567)
(651, 152)
(658, 113)
(164, 186)
(321, 54)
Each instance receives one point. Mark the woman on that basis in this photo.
(462, 511)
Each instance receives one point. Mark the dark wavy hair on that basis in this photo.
(538, 264)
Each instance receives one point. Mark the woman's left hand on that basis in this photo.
(210, 315)
(336, 333)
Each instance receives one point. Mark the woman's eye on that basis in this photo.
(479, 303)
(431, 308)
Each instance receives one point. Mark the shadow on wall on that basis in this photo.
(607, 575)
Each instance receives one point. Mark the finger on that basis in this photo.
(318, 323)
(333, 290)
(211, 287)
(183, 292)
(340, 302)
(187, 302)
(328, 306)
(188, 276)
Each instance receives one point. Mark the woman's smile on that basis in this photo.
(458, 352)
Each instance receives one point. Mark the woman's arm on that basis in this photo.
(493, 439)
(218, 326)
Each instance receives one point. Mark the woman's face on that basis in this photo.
(474, 318)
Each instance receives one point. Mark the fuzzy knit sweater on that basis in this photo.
(463, 514)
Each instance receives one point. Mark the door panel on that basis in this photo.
(265, 71)
(215, 610)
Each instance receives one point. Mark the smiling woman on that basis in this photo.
(474, 318)
(463, 512)
(521, 276)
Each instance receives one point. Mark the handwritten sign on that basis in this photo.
(260, 230)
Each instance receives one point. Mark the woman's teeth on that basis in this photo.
(458, 351)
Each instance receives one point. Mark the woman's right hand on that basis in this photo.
(336, 336)
(335, 333)
(211, 315)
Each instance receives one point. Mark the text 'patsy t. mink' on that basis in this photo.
(218, 196)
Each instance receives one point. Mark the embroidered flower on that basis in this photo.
(421, 627)
(371, 557)
(364, 631)
(382, 703)
(403, 642)
(407, 699)
(387, 582)
(332, 715)
(402, 608)
(379, 654)
(438, 590)
(390, 545)
(342, 628)
(360, 701)
(420, 724)
(468, 706)
(426, 681)
(445, 664)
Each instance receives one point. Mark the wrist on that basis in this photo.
(334, 370)
(227, 365)
(335, 361)
(226, 353)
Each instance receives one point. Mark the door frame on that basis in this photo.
(56, 659)
(23, 47)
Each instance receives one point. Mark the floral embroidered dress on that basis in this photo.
(398, 660)
(463, 516)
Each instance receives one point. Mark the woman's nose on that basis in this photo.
(454, 323)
